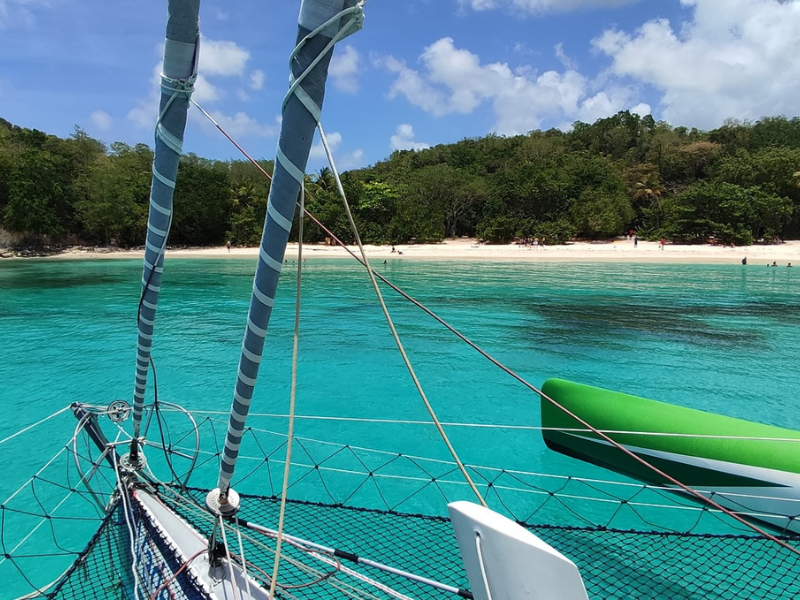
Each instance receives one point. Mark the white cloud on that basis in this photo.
(404, 139)
(224, 58)
(18, 12)
(344, 160)
(344, 69)
(334, 141)
(217, 59)
(205, 91)
(239, 124)
(257, 79)
(144, 114)
(453, 81)
(410, 84)
(350, 160)
(565, 60)
(642, 109)
(733, 58)
(538, 7)
(101, 120)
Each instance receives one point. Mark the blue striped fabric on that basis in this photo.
(310, 65)
(180, 53)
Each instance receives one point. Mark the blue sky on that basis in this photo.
(421, 72)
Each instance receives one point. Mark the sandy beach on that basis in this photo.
(620, 250)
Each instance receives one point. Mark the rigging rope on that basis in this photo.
(189, 505)
(123, 493)
(509, 427)
(292, 398)
(230, 561)
(387, 315)
(523, 381)
(241, 553)
(29, 427)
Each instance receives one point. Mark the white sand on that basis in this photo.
(620, 250)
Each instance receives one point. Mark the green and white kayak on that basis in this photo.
(748, 467)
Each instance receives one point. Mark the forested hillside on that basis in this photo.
(736, 184)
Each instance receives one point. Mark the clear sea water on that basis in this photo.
(720, 338)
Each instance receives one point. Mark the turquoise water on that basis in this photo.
(719, 338)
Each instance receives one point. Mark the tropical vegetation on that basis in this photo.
(739, 183)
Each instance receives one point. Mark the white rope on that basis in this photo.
(27, 483)
(345, 30)
(241, 553)
(36, 475)
(389, 321)
(360, 576)
(370, 420)
(125, 509)
(41, 522)
(346, 588)
(435, 461)
(544, 492)
(292, 399)
(230, 561)
(29, 427)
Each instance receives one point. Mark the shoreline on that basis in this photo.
(619, 250)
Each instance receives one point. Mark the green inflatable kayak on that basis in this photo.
(748, 467)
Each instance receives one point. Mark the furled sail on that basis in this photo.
(177, 84)
(321, 24)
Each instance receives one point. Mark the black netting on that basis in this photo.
(614, 563)
(415, 543)
(103, 570)
(628, 540)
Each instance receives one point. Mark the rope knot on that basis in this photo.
(178, 86)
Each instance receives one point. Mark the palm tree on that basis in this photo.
(324, 180)
(648, 189)
(242, 196)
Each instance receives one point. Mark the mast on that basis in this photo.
(177, 83)
(320, 25)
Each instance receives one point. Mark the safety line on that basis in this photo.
(29, 427)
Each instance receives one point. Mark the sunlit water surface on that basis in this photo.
(719, 338)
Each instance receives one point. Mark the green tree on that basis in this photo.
(647, 194)
(728, 212)
(598, 215)
(34, 195)
(247, 214)
(202, 207)
(115, 196)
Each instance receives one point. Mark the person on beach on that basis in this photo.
(229, 245)
(636, 241)
(663, 243)
(536, 243)
(393, 250)
(744, 260)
